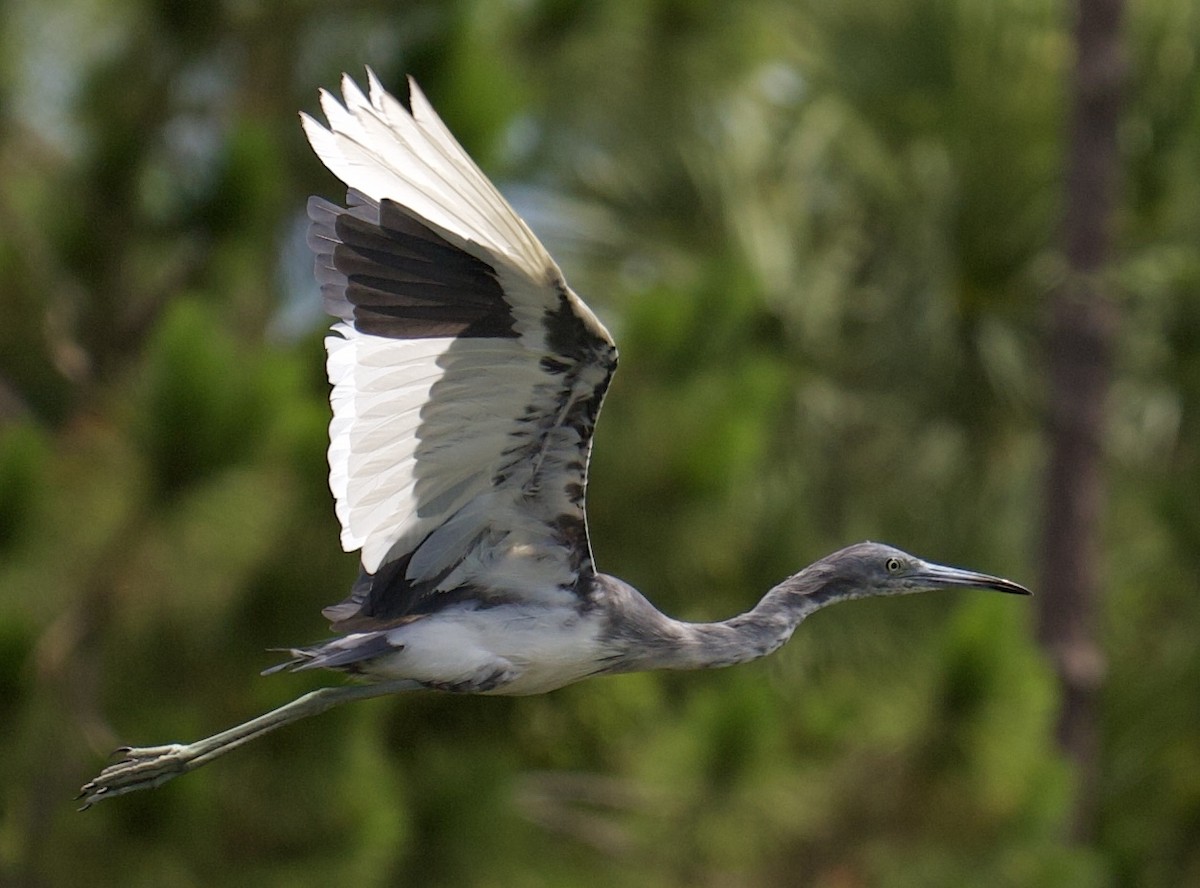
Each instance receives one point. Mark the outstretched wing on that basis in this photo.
(466, 375)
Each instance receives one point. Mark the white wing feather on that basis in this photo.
(454, 455)
(378, 148)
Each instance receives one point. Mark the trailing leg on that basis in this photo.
(150, 766)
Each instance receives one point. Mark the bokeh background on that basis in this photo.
(827, 236)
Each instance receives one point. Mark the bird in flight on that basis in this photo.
(466, 381)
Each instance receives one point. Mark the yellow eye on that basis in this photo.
(893, 565)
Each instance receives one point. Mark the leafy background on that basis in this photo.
(825, 236)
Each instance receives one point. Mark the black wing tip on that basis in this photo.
(404, 96)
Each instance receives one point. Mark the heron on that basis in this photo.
(466, 379)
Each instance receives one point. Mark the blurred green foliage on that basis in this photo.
(823, 234)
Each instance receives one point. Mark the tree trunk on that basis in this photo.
(1080, 344)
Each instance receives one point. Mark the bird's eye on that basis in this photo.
(893, 565)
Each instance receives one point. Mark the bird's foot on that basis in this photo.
(139, 768)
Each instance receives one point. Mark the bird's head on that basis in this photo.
(867, 569)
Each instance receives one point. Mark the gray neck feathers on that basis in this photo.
(651, 640)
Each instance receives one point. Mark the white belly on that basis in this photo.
(509, 649)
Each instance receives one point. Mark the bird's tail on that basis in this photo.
(348, 653)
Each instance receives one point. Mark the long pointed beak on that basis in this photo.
(941, 575)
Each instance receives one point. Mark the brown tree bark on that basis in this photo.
(1079, 356)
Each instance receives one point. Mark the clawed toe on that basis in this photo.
(136, 768)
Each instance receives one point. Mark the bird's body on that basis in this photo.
(467, 379)
(520, 648)
(510, 649)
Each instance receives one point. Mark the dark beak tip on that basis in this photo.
(1006, 586)
(981, 581)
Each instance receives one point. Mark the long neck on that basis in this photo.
(660, 642)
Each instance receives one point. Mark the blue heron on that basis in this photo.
(466, 381)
